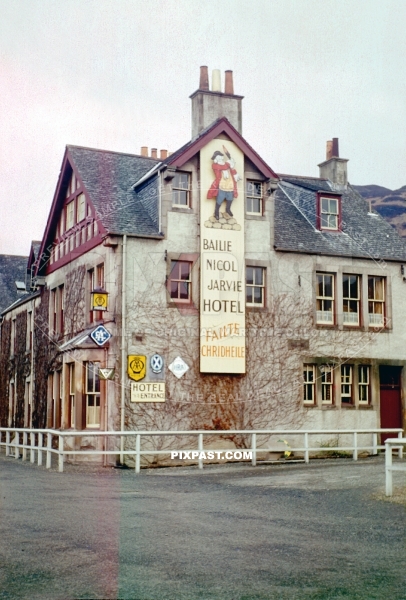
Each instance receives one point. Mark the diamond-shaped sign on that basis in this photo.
(178, 367)
(100, 335)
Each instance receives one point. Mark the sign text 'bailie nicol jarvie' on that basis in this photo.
(222, 295)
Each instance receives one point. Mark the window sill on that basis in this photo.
(256, 308)
(252, 217)
(182, 209)
(328, 407)
(349, 406)
(365, 407)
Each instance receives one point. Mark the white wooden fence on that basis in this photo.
(39, 442)
(390, 444)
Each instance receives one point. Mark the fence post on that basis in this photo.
(17, 443)
(40, 445)
(355, 451)
(7, 443)
(374, 443)
(137, 455)
(254, 449)
(32, 445)
(306, 443)
(388, 469)
(60, 454)
(400, 451)
(200, 448)
(49, 447)
(25, 442)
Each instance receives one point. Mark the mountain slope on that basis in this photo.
(390, 204)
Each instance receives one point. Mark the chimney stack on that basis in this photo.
(144, 150)
(154, 153)
(334, 168)
(228, 84)
(210, 105)
(204, 79)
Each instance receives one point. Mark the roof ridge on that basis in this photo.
(112, 152)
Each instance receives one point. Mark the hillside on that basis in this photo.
(390, 204)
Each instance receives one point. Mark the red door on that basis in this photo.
(391, 404)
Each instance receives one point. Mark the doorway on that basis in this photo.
(390, 399)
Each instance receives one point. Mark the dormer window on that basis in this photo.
(329, 213)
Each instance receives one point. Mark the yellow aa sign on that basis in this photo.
(99, 301)
(137, 367)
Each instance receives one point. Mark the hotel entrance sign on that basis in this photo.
(222, 252)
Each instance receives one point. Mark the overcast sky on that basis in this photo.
(117, 74)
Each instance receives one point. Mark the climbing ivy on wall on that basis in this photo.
(4, 371)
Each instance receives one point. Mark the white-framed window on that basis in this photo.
(363, 384)
(325, 298)
(327, 381)
(329, 213)
(309, 384)
(180, 281)
(346, 384)
(71, 399)
(351, 299)
(92, 395)
(254, 197)
(81, 207)
(181, 189)
(96, 280)
(70, 215)
(255, 286)
(376, 301)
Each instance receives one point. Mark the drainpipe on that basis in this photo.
(123, 346)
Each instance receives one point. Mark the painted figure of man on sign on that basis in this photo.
(224, 187)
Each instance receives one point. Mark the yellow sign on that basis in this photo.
(148, 392)
(137, 366)
(99, 301)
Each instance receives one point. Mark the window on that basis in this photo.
(363, 384)
(253, 194)
(71, 407)
(181, 189)
(255, 286)
(326, 384)
(96, 280)
(70, 215)
(329, 213)
(92, 395)
(57, 310)
(346, 384)
(309, 383)
(81, 207)
(325, 298)
(376, 300)
(180, 281)
(351, 299)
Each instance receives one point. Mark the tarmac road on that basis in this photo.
(231, 532)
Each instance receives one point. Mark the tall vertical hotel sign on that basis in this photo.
(222, 296)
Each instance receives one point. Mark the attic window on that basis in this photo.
(329, 214)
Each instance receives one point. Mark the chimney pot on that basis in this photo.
(154, 153)
(144, 150)
(163, 154)
(335, 148)
(329, 150)
(204, 79)
(229, 85)
(216, 81)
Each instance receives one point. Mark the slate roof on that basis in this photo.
(109, 178)
(12, 269)
(363, 235)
